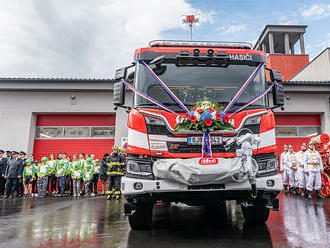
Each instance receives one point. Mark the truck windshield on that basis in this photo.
(191, 84)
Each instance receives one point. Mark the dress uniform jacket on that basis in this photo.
(3, 165)
(310, 158)
(13, 168)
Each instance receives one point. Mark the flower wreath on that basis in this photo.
(205, 116)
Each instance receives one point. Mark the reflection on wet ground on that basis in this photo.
(95, 222)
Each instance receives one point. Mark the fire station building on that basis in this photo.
(59, 115)
(306, 87)
(77, 115)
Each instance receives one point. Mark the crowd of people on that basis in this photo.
(59, 175)
(301, 170)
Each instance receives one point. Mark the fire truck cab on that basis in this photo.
(194, 71)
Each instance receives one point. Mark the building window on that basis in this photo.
(75, 132)
(286, 131)
(103, 132)
(297, 131)
(49, 132)
(308, 131)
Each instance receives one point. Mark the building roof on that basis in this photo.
(55, 84)
(306, 83)
(13, 79)
(307, 87)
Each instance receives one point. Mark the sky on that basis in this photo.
(93, 38)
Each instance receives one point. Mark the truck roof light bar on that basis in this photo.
(214, 44)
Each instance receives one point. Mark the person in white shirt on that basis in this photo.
(291, 164)
(283, 169)
(314, 169)
(301, 177)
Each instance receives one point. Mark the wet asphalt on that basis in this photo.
(95, 222)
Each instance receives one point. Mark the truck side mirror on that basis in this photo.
(275, 76)
(119, 94)
(278, 95)
(121, 74)
(278, 90)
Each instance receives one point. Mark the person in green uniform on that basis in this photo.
(76, 175)
(35, 165)
(60, 174)
(82, 167)
(43, 171)
(58, 160)
(67, 169)
(88, 176)
(52, 171)
(28, 178)
(82, 160)
(96, 168)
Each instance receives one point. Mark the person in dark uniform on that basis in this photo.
(20, 190)
(3, 166)
(12, 174)
(115, 164)
(103, 172)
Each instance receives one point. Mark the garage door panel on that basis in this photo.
(295, 142)
(296, 126)
(98, 139)
(76, 120)
(297, 120)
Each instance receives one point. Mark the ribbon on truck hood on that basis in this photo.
(206, 145)
(167, 89)
(254, 99)
(247, 82)
(148, 97)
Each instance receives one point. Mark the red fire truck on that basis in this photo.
(195, 71)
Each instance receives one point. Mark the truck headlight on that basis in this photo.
(253, 121)
(154, 121)
(134, 167)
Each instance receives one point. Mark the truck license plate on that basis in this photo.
(197, 140)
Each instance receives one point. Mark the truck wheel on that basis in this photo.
(256, 214)
(142, 218)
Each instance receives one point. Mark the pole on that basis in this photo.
(190, 25)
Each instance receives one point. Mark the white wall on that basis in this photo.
(18, 112)
(317, 69)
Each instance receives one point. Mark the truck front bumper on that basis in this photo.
(134, 186)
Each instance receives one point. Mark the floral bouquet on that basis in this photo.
(206, 117)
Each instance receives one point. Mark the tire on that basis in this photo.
(257, 214)
(142, 218)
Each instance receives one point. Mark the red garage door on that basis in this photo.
(93, 134)
(295, 129)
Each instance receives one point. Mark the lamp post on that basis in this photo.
(189, 20)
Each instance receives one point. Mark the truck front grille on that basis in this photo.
(183, 147)
(209, 186)
(158, 129)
